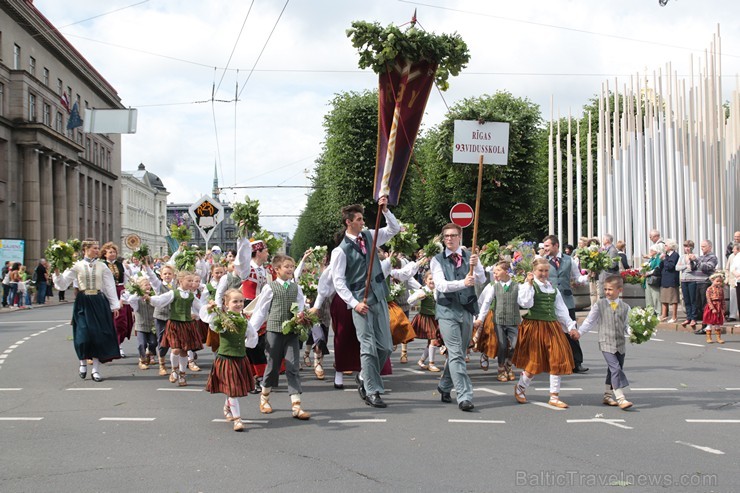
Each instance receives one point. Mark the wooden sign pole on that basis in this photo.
(474, 247)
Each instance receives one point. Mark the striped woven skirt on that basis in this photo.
(401, 329)
(181, 335)
(487, 342)
(543, 347)
(425, 326)
(230, 375)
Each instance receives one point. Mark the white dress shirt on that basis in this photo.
(442, 285)
(259, 315)
(594, 316)
(486, 298)
(526, 301)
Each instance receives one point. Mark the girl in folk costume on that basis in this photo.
(498, 320)
(231, 373)
(146, 331)
(124, 322)
(424, 324)
(251, 257)
(162, 313)
(92, 323)
(714, 311)
(230, 280)
(201, 294)
(181, 334)
(400, 279)
(320, 333)
(543, 345)
(218, 272)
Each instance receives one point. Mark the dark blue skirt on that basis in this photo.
(92, 328)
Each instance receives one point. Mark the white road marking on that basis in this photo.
(713, 420)
(481, 421)
(490, 391)
(417, 372)
(547, 406)
(3, 356)
(21, 419)
(180, 390)
(343, 421)
(37, 322)
(26, 338)
(732, 388)
(127, 419)
(561, 388)
(654, 389)
(728, 349)
(655, 339)
(18, 343)
(354, 389)
(245, 421)
(690, 344)
(91, 388)
(612, 422)
(7, 351)
(8, 389)
(702, 448)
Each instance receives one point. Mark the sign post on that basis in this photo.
(207, 213)
(482, 143)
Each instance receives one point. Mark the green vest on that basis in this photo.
(232, 343)
(282, 298)
(355, 273)
(465, 299)
(544, 306)
(181, 307)
(428, 306)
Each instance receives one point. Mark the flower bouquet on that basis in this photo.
(134, 288)
(309, 282)
(246, 215)
(228, 321)
(187, 259)
(75, 244)
(318, 253)
(179, 232)
(396, 290)
(489, 253)
(142, 252)
(300, 324)
(406, 241)
(642, 323)
(272, 242)
(632, 276)
(60, 255)
(522, 258)
(433, 248)
(593, 259)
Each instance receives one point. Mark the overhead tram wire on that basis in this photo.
(233, 49)
(57, 29)
(215, 125)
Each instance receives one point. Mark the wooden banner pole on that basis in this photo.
(372, 254)
(474, 246)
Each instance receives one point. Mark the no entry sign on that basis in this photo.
(461, 214)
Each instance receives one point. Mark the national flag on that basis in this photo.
(74, 119)
(64, 99)
(403, 93)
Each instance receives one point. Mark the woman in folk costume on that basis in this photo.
(94, 308)
(424, 324)
(124, 322)
(181, 333)
(399, 280)
(319, 334)
(251, 257)
(542, 345)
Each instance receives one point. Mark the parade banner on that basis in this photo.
(207, 213)
(403, 93)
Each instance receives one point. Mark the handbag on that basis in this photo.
(653, 278)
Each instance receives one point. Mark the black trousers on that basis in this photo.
(575, 346)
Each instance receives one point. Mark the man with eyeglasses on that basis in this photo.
(457, 304)
(349, 265)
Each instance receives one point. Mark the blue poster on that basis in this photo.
(13, 250)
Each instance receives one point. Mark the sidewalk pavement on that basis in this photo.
(69, 297)
(731, 327)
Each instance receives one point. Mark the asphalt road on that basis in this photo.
(135, 431)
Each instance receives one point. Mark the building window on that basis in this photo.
(31, 107)
(16, 57)
(46, 77)
(47, 114)
(59, 87)
(2, 99)
(88, 145)
(107, 161)
(95, 153)
(58, 125)
(32, 66)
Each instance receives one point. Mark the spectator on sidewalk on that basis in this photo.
(731, 245)
(6, 282)
(731, 280)
(41, 275)
(706, 265)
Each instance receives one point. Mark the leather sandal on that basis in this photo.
(421, 364)
(502, 377)
(556, 402)
(484, 362)
(173, 376)
(433, 368)
(265, 407)
(299, 413)
(181, 382)
(519, 394)
(227, 413)
(192, 366)
(319, 371)
(238, 424)
(404, 357)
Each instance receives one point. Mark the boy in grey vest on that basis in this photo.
(146, 332)
(275, 301)
(611, 316)
(501, 295)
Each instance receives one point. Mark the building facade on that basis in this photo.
(144, 210)
(54, 182)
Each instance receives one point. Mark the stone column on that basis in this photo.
(61, 200)
(46, 193)
(73, 202)
(31, 206)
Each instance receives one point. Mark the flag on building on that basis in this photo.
(74, 119)
(403, 93)
(64, 99)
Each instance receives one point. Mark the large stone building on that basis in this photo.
(54, 182)
(144, 210)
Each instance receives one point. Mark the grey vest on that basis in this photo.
(233, 282)
(611, 326)
(144, 317)
(560, 278)
(162, 312)
(356, 271)
(449, 305)
(505, 307)
(280, 307)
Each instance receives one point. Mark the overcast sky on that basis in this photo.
(160, 56)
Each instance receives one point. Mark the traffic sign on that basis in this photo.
(207, 213)
(461, 214)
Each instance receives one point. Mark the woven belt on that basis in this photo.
(91, 291)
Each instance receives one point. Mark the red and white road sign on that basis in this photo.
(461, 214)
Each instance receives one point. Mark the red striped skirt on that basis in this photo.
(202, 330)
(230, 375)
(181, 335)
(425, 326)
(543, 347)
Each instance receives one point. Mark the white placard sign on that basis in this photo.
(207, 213)
(109, 121)
(472, 139)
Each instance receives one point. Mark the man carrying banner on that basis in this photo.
(349, 269)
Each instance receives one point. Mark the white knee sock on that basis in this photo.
(424, 355)
(554, 384)
(524, 380)
(96, 365)
(619, 394)
(339, 378)
(190, 356)
(174, 360)
(234, 405)
(295, 398)
(266, 390)
(183, 363)
(431, 354)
